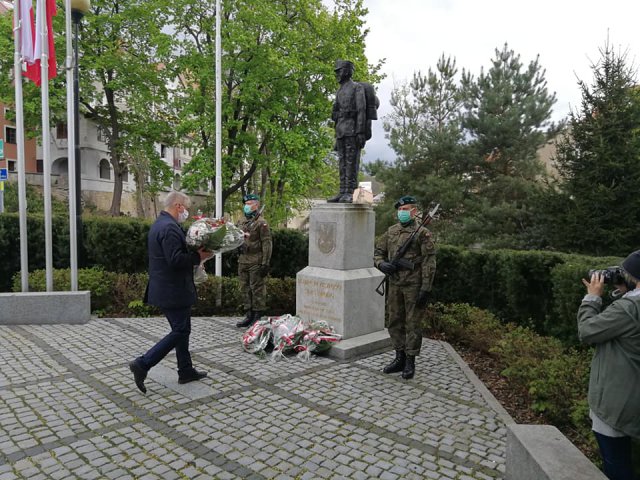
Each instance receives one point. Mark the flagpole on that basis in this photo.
(71, 155)
(22, 196)
(46, 153)
(219, 212)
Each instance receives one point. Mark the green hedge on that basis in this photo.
(541, 290)
(120, 294)
(120, 245)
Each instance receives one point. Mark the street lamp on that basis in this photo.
(78, 9)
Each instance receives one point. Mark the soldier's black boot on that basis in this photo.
(409, 367)
(257, 315)
(248, 320)
(397, 364)
(335, 198)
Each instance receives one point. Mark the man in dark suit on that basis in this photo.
(171, 288)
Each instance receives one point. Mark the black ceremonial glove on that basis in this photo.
(423, 298)
(387, 268)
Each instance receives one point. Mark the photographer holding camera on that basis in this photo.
(614, 383)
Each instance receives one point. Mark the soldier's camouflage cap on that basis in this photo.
(250, 196)
(406, 200)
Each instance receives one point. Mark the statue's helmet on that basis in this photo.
(344, 63)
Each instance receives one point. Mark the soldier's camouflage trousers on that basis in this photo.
(254, 287)
(404, 318)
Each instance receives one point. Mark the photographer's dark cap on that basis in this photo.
(250, 196)
(406, 200)
(631, 264)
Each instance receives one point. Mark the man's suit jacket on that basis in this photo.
(170, 265)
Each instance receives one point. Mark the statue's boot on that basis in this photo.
(343, 186)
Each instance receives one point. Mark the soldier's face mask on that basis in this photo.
(404, 216)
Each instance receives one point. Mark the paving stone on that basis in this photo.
(256, 419)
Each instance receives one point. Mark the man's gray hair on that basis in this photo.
(176, 197)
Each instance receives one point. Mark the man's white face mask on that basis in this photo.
(182, 216)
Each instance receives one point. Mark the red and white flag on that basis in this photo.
(33, 69)
(25, 23)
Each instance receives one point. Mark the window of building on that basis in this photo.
(11, 165)
(125, 175)
(101, 134)
(10, 134)
(61, 131)
(105, 169)
(163, 151)
(39, 166)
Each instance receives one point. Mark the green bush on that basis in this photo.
(99, 282)
(463, 323)
(554, 377)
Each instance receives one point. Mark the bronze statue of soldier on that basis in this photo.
(352, 116)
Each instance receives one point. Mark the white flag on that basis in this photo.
(27, 33)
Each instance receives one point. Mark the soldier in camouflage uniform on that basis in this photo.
(254, 260)
(408, 290)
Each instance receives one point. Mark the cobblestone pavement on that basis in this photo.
(69, 409)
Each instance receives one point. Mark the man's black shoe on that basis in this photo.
(246, 321)
(192, 377)
(139, 374)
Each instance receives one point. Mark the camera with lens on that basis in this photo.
(610, 275)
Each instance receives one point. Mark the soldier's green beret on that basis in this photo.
(250, 196)
(406, 200)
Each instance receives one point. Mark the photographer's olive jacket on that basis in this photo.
(614, 383)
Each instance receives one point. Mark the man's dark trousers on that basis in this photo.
(180, 321)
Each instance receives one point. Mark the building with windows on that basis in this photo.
(9, 136)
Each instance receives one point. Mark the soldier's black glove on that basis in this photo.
(264, 270)
(423, 299)
(387, 268)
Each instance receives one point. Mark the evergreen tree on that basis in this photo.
(471, 144)
(507, 120)
(425, 131)
(597, 210)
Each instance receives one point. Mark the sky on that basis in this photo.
(566, 34)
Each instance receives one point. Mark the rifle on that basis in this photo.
(397, 259)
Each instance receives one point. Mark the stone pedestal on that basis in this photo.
(339, 284)
(45, 308)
